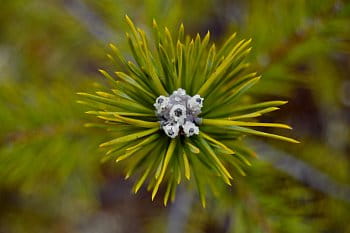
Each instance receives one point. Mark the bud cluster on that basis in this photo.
(178, 113)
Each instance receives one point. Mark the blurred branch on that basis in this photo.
(180, 211)
(301, 171)
(44, 131)
(301, 35)
(255, 209)
(92, 22)
(288, 163)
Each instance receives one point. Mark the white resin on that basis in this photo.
(178, 113)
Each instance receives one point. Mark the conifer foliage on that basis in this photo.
(165, 66)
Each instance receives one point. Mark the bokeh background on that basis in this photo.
(51, 177)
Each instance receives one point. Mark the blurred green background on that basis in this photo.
(51, 177)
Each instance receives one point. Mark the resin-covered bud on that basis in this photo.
(171, 130)
(178, 113)
(161, 104)
(190, 129)
(195, 103)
